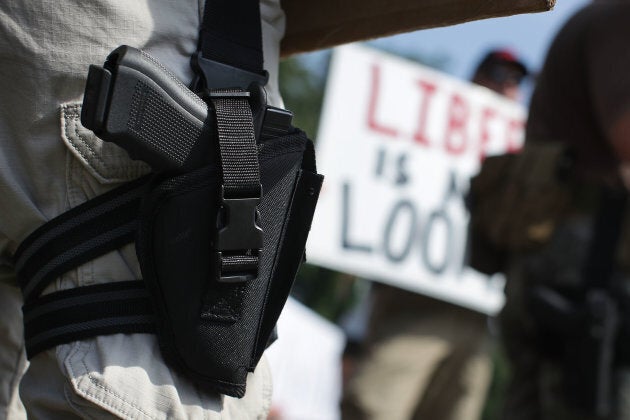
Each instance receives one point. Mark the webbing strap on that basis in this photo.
(77, 236)
(240, 177)
(85, 312)
(237, 144)
(230, 34)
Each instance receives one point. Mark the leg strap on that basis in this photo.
(77, 236)
(84, 312)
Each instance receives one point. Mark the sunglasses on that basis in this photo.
(505, 75)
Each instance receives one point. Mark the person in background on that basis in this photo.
(424, 358)
(501, 71)
(581, 101)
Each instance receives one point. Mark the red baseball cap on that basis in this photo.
(502, 57)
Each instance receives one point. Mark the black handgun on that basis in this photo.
(586, 333)
(590, 364)
(135, 102)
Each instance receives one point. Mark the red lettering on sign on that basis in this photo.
(373, 124)
(514, 135)
(456, 138)
(487, 114)
(428, 90)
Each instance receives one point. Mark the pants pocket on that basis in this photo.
(106, 162)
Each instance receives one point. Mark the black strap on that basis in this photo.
(237, 144)
(77, 236)
(240, 241)
(84, 312)
(229, 52)
(231, 34)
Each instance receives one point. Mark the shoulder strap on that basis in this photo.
(229, 52)
(229, 59)
(230, 34)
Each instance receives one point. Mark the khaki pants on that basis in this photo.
(50, 163)
(425, 360)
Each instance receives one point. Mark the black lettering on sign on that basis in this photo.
(401, 170)
(392, 167)
(380, 163)
(435, 218)
(345, 224)
(400, 209)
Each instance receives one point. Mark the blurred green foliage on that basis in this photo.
(303, 92)
(498, 386)
(327, 292)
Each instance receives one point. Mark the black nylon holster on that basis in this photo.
(212, 329)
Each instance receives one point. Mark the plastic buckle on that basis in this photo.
(214, 75)
(238, 234)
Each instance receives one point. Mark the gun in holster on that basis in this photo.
(133, 101)
(585, 323)
(585, 336)
(220, 227)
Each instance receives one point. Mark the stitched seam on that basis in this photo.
(74, 349)
(125, 413)
(106, 390)
(68, 118)
(74, 198)
(70, 115)
(75, 407)
(75, 119)
(85, 142)
(112, 393)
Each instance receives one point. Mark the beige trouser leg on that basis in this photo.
(423, 363)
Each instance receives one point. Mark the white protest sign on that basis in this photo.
(305, 365)
(398, 143)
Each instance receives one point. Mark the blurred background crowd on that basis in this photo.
(553, 344)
